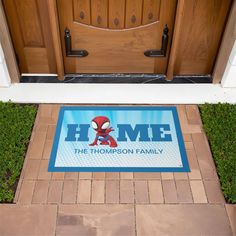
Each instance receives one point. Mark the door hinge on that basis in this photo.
(161, 52)
(69, 51)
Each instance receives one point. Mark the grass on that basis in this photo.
(219, 122)
(16, 123)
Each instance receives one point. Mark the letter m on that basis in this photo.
(127, 130)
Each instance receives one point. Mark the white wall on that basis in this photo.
(229, 77)
(5, 80)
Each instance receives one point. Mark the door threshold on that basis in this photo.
(117, 79)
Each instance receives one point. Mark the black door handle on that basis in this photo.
(69, 51)
(164, 44)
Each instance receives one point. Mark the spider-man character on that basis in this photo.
(101, 124)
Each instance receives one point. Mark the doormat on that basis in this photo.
(123, 139)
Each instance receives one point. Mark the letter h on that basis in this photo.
(82, 132)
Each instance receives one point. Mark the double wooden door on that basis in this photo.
(112, 36)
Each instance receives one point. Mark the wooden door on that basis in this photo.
(116, 33)
(30, 30)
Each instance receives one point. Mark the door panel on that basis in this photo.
(151, 11)
(116, 14)
(99, 10)
(28, 16)
(81, 12)
(116, 33)
(201, 32)
(133, 16)
(29, 25)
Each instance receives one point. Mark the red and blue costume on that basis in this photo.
(101, 124)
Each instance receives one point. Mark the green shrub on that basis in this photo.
(219, 122)
(16, 123)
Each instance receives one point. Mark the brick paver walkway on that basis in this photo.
(126, 203)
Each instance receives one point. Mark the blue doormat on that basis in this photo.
(119, 138)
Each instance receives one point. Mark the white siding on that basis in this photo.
(229, 77)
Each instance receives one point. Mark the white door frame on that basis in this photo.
(224, 72)
(5, 80)
(9, 72)
(229, 77)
